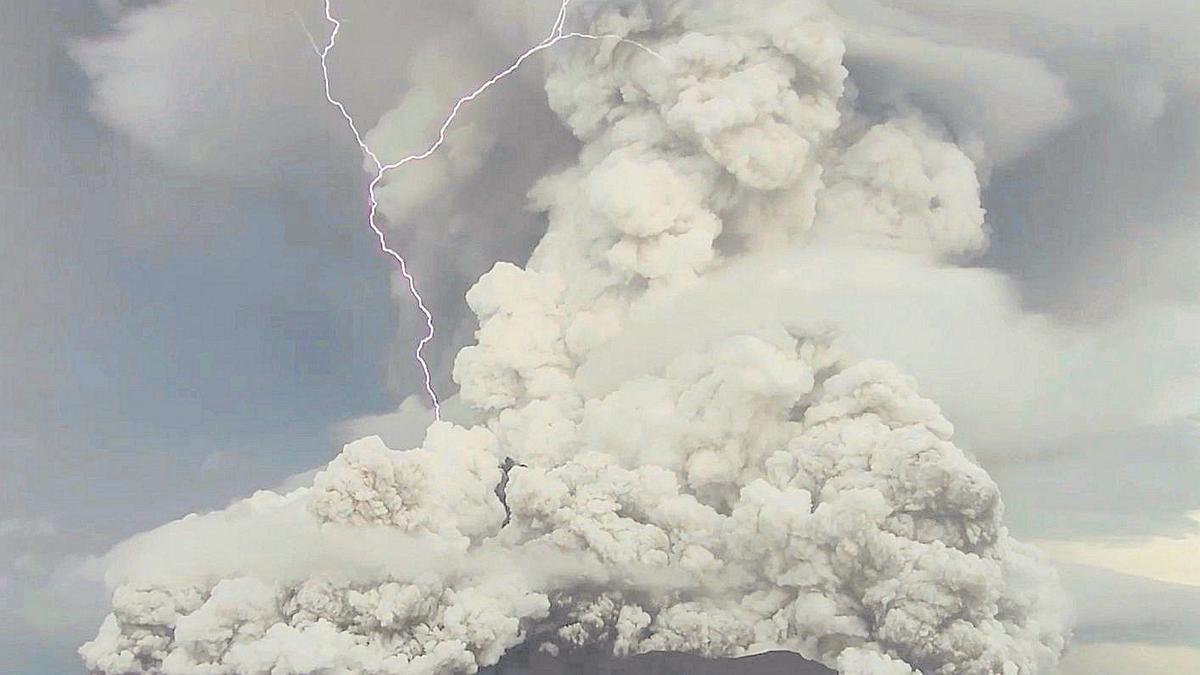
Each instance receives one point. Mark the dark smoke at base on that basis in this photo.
(526, 661)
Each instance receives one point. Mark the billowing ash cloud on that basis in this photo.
(760, 490)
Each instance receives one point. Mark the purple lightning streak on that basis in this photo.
(557, 34)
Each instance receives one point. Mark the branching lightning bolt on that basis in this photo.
(557, 34)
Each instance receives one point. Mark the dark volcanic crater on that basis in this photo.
(525, 661)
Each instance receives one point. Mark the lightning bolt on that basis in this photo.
(557, 34)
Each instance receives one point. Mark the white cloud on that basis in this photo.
(1168, 559)
(757, 488)
(1121, 659)
(1014, 383)
(1007, 99)
(630, 318)
(225, 87)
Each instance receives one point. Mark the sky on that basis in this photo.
(193, 308)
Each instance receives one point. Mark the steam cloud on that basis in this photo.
(762, 490)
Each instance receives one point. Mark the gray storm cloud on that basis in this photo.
(764, 489)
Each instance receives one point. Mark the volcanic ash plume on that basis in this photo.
(764, 491)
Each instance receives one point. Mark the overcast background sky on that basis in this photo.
(191, 308)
